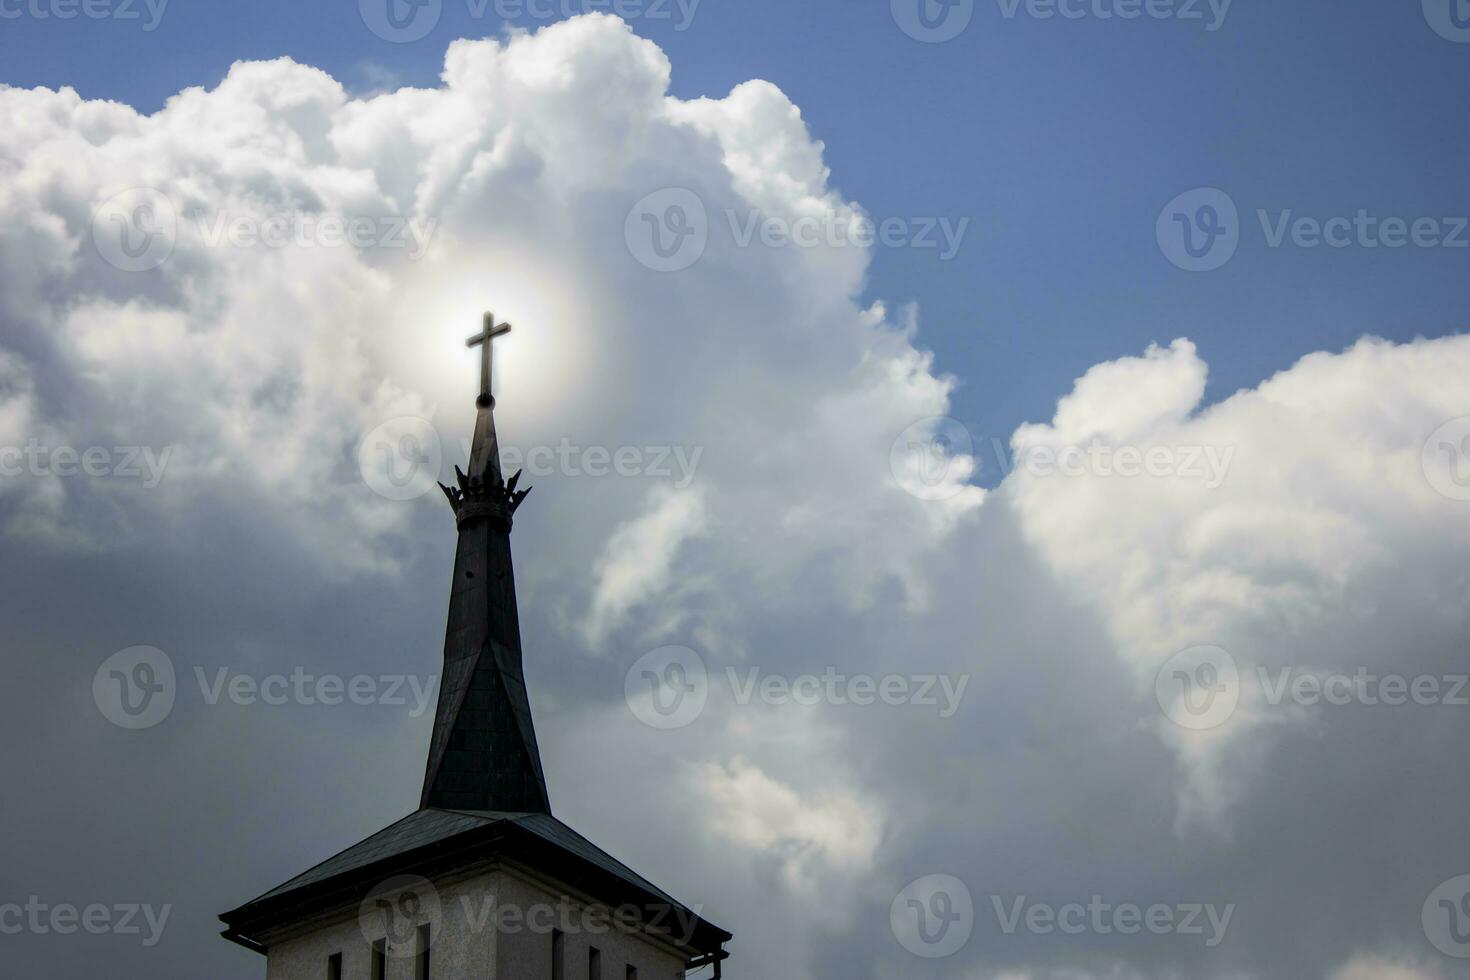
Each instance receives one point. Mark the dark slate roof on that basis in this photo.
(483, 750)
(554, 831)
(453, 837)
(416, 830)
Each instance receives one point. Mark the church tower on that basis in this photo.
(481, 882)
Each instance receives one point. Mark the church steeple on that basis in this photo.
(483, 753)
(484, 816)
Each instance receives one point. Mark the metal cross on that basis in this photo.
(488, 332)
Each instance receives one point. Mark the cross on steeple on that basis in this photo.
(488, 332)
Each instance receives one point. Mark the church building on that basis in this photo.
(481, 882)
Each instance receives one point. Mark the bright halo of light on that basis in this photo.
(539, 365)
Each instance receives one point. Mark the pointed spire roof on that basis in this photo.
(483, 753)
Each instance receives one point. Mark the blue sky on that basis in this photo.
(1059, 139)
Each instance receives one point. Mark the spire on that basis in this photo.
(483, 753)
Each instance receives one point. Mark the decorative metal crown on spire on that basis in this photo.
(487, 496)
(483, 492)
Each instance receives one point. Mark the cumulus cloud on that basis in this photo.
(1379, 968)
(1293, 525)
(745, 806)
(1321, 497)
(189, 280)
(18, 425)
(639, 557)
(264, 359)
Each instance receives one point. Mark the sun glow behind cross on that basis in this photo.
(539, 367)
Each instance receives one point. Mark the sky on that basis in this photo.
(1057, 139)
(1095, 381)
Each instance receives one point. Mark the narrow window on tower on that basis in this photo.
(594, 963)
(631, 973)
(423, 958)
(558, 955)
(380, 959)
(334, 967)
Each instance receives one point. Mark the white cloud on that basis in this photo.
(264, 365)
(1324, 502)
(1380, 968)
(22, 472)
(747, 807)
(639, 558)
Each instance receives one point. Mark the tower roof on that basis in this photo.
(431, 840)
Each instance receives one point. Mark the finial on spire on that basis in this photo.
(483, 492)
(488, 332)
